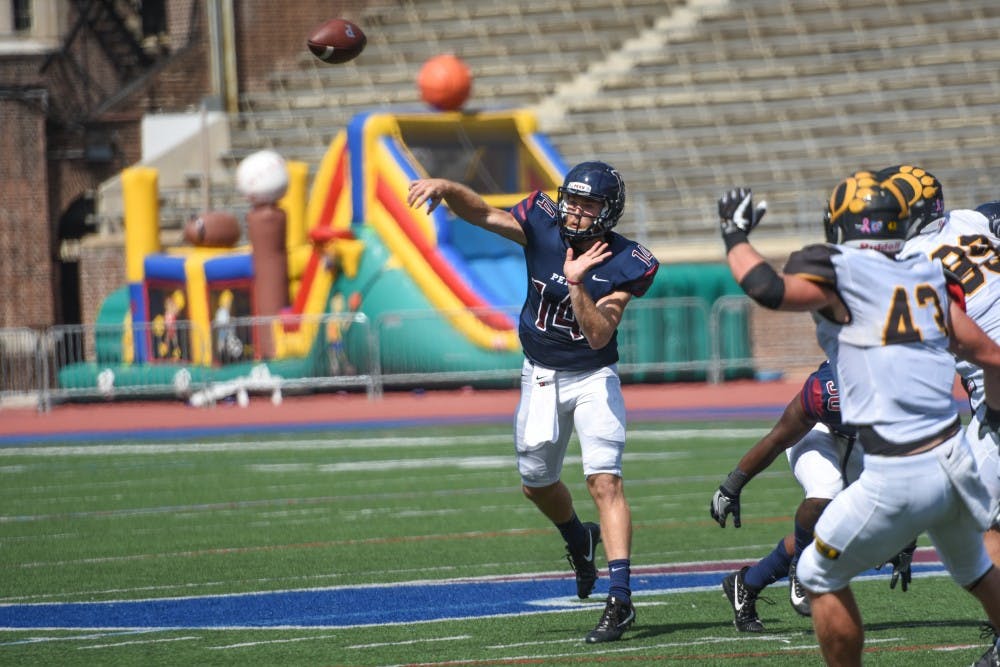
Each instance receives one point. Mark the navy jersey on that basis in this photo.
(821, 400)
(547, 328)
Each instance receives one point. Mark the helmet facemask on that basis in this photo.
(599, 223)
(595, 181)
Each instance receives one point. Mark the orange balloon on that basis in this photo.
(445, 82)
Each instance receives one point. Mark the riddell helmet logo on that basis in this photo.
(577, 186)
(876, 244)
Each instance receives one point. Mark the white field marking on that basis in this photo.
(280, 467)
(879, 640)
(783, 637)
(411, 641)
(77, 638)
(342, 443)
(133, 643)
(270, 641)
(550, 642)
(471, 462)
(617, 650)
(465, 462)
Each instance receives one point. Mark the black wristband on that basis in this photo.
(734, 238)
(735, 482)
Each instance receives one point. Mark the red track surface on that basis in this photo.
(652, 402)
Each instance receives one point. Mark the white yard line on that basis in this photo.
(411, 641)
(270, 641)
(134, 643)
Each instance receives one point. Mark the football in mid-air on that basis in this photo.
(337, 41)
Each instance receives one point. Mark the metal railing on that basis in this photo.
(660, 340)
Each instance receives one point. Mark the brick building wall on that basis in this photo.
(102, 267)
(26, 272)
(49, 168)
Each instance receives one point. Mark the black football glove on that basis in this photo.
(722, 505)
(738, 216)
(901, 572)
(989, 425)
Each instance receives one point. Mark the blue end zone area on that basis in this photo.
(387, 604)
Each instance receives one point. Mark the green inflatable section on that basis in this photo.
(412, 336)
(110, 327)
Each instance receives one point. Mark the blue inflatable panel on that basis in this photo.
(475, 242)
(506, 277)
(464, 271)
(164, 267)
(229, 267)
(137, 297)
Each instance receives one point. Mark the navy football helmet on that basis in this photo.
(991, 210)
(598, 181)
(864, 213)
(923, 194)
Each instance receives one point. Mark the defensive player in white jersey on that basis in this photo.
(964, 242)
(886, 322)
(581, 275)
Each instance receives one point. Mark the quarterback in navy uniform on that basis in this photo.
(887, 321)
(581, 275)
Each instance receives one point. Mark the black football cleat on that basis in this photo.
(743, 600)
(583, 562)
(618, 616)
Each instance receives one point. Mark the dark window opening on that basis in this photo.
(22, 15)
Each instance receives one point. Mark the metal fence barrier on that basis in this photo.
(22, 365)
(157, 360)
(660, 340)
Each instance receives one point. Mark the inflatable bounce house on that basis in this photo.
(439, 295)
